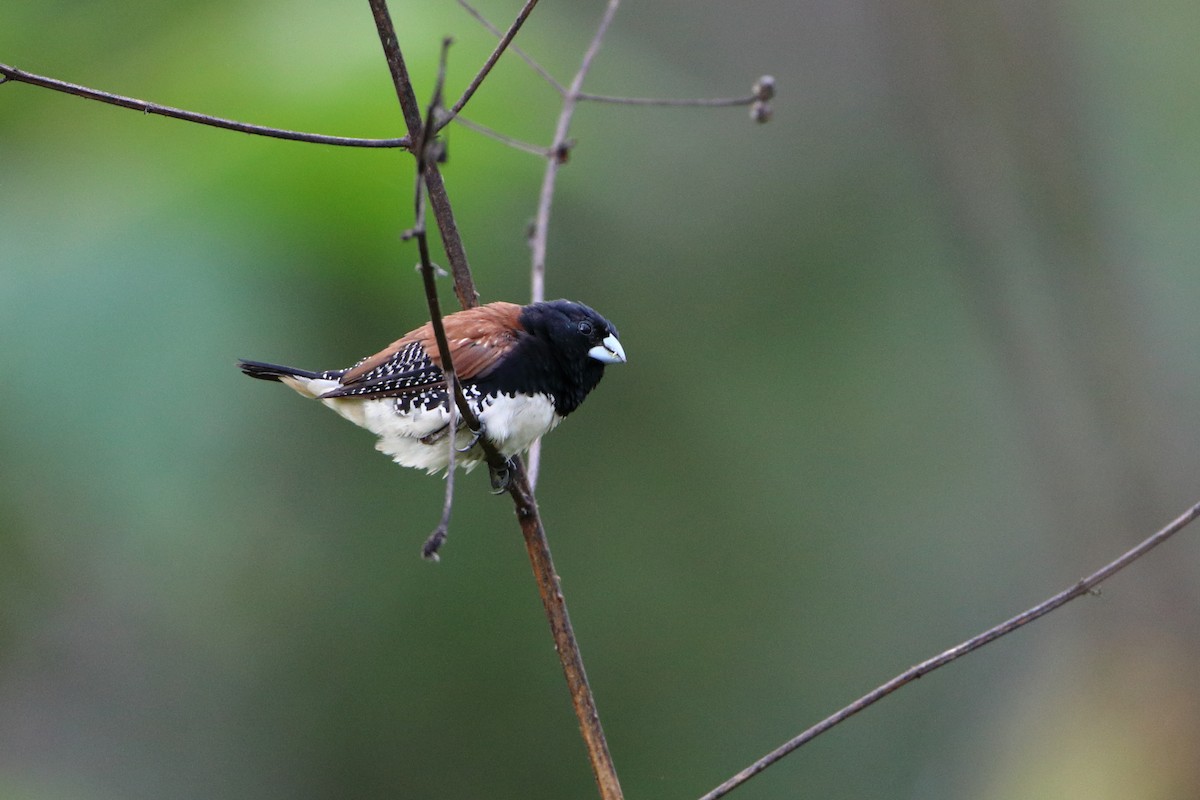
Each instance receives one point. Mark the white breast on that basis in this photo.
(515, 423)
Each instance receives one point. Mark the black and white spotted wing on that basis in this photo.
(408, 373)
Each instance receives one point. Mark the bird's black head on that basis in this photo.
(572, 343)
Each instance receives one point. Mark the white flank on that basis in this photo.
(512, 423)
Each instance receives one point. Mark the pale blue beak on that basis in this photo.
(609, 351)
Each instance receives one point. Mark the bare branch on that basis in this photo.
(454, 393)
(564, 636)
(559, 148)
(477, 81)
(1084, 586)
(14, 74)
(516, 144)
(528, 59)
(759, 98)
(714, 102)
(423, 150)
(435, 540)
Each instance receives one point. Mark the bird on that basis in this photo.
(522, 369)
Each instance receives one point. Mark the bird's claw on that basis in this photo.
(501, 477)
(475, 437)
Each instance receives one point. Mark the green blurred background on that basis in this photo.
(905, 361)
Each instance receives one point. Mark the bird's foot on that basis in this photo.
(436, 436)
(475, 437)
(501, 477)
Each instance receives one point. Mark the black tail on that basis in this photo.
(272, 372)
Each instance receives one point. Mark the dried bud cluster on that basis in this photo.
(764, 91)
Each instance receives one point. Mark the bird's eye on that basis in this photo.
(585, 328)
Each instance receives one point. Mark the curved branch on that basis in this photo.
(13, 74)
(1085, 586)
(559, 150)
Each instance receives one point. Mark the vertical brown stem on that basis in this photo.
(564, 636)
(519, 488)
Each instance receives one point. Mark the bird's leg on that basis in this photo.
(442, 432)
(436, 436)
(500, 475)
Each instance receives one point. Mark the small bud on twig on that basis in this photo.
(761, 112)
(764, 91)
(764, 88)
(562, 153)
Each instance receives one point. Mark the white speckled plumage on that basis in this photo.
(416, 437)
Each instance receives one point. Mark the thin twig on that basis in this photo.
(1084, 586)
(559, 149)
(423, 135)
(453, 389)
(426, 143)
(523, 498)
(710, 102)
(516, 144)
(477, 81)
(528, 59)
(14, 74)
(435, 540)
(759, 100)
